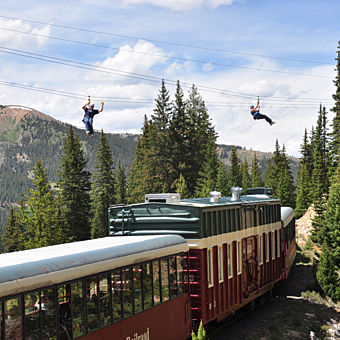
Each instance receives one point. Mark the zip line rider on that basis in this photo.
(90, 112)
(255, 112)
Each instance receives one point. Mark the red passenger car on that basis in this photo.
(124, 288)
(237, 244)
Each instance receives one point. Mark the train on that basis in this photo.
(167, 265)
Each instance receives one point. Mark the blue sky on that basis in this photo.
(233, 50)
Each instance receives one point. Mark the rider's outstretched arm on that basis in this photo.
(102, 108)
(258, 103)
(88, 103)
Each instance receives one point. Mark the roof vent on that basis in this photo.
(162, 198)
(215, 196)
(235, 194)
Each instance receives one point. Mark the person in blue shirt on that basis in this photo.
(255, 112)
(90, 112)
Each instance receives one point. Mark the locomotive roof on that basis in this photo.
(30, 269)
(202, 202)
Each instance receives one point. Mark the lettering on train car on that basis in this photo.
(136, 336)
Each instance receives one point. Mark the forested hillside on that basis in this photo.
(27, 135)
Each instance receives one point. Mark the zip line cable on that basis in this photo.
(144, 101)
(116, 72)
(157, 55)
(163, 42)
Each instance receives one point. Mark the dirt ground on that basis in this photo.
(287, 314)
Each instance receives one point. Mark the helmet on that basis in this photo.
(91, 105)
(251, 106)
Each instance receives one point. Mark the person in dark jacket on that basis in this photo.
(255, 112)
(90, 112)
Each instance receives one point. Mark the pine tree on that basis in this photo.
(332, 222)
(178, 136)
(14, 236)
(246, 180)
(199, 133)
(335, 134)
(74, 187)
(285, 189)
(234, 173)
(182, 188)
(40, 220)
(274, 169)
(103, 189)
(160, 141)
(222, 184)
(208, 175)
(121, 184)
(327, 274)
(304, 189)
(303, 197)
(319, 172)
(256, 180)
(319, 180)
(142, 174)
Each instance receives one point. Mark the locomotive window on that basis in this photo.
(165, 279)
(272, 219)
(228, 220)
(78, 308)
(127, 292)
(173, 276)
(156, 283)
(147, 285)
(210, 266)
(230, 260)
(237, 219)
(117, 294)
(48, 314)
(267, 247)
(239, 258)
(12, 318)
(137, 289)
(92, 303)
(224, 221)
(209, 231)
(233, 224)
(219, 222)
(32, 322)
(204, 225)
(261, 215)
(273, 245)
(220, 264)
(180, 273)
(260, 238)
(278, 243)
(214, 223)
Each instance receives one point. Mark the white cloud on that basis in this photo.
(128, 62)
(19, 40)
(179, 5)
